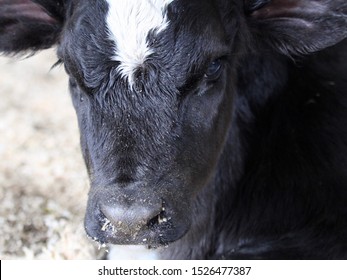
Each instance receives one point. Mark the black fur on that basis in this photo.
(232, 144)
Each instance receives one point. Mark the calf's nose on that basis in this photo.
(128, 220)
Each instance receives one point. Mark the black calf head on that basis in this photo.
(153, 84)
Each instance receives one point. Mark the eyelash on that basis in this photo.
(57, 63)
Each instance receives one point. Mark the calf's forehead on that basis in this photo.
(129, 24)
(128, 32)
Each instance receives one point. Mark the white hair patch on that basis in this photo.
(129, 23)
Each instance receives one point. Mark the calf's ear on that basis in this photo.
(298, 26)
(30, 25)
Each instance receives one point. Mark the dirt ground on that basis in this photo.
(43, 182)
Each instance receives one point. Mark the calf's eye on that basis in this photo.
(214, 69)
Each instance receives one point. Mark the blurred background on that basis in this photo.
(43, 181)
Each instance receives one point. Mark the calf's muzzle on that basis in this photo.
(126, 216)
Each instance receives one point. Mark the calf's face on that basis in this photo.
(153, 84)
(154, 108)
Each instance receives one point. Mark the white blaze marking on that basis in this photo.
(128, 23)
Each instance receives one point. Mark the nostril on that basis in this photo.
(107, 225)
(159, 219)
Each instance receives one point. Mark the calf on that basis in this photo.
(211, 129)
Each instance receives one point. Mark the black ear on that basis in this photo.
(30, 25)
(298, 26)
